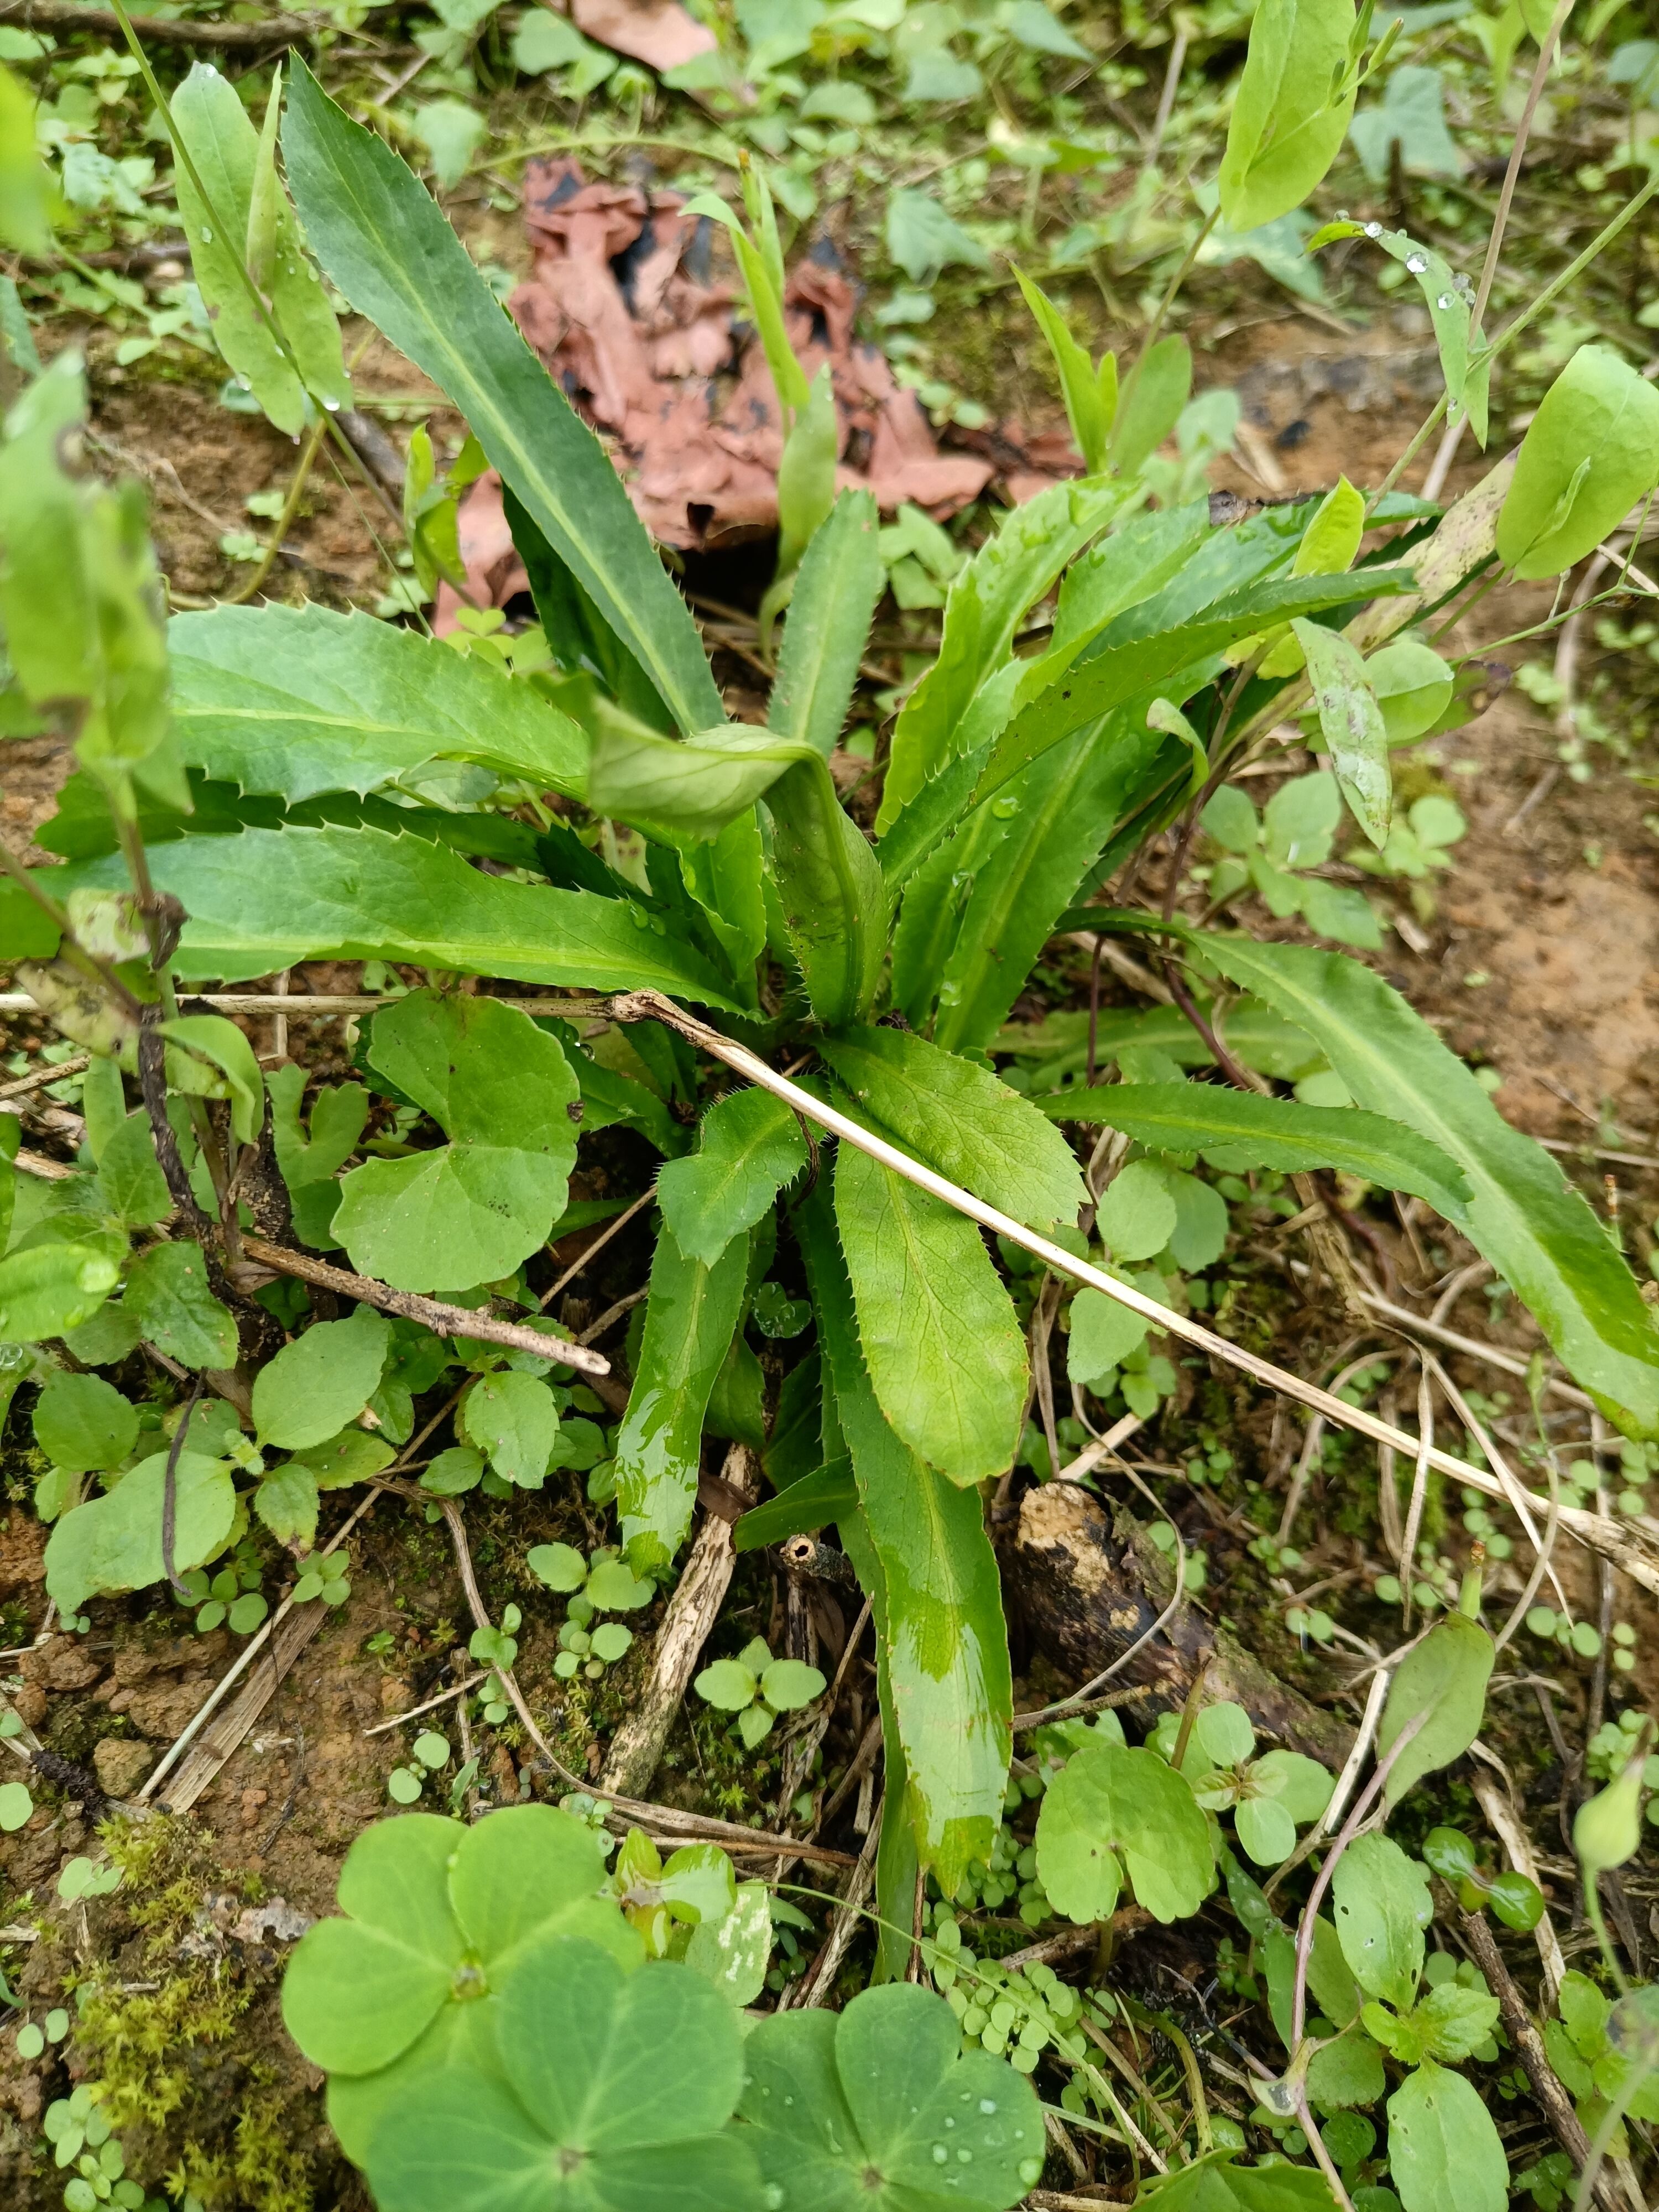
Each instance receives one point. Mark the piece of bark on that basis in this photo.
(1083, 1591)
(637, 1746)
(161, 30)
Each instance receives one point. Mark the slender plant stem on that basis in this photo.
(1156, 326)
(285, 520)
(1512, 173)
(1350, 1828)
(1598, 1922)
(170, 1493)
(1434, 482)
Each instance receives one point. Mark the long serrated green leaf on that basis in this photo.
(1137, 651)
(1248, 1131)
(1023, 860)
(1172, 566)
(948, 1694)
(384, 242)
(270, 899)
(1525, 1217)
(960, 1120)
(841, 579)
(690, 1319)
(225, 150)
(750, 1146)
(1009, 574)
(687, 788)
(940, 1340)
(300, 699)
(829, 886)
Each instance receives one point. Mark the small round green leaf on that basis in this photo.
(560, 1567)
(455, 1472)
(403, 1785)
(610, 1641)
(1266, 1830)
(789, 1683)
(81, 1422)
(15, 1806)
(1590, 453)
(728, 1683)
(432, 1750)
(1226, 1732)
(612, 1587)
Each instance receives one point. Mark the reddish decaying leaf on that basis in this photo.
(622, 306)
(658, 33)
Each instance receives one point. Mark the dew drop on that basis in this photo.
(207, 237)
(1373, 230)
(964, 2157)
(331, 406)
(949, 2122)
(1005, 809)
(765, 2092)
(940, 2153)
(1444, 301)
(788, 2101)
(1415, 264)
(772, 2197)
(1031, 2171)
(987, 2103)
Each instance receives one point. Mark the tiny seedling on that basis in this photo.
(755, 1688)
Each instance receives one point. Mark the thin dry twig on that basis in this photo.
(442, 1320)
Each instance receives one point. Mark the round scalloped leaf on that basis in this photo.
(622, 2115)
(435, 1911)
(1108, 1804)
(360, 1990)
(878, 2104)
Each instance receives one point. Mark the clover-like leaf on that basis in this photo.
(1107, 1804)
(875, 2105)
(434, 1912)
(624, 2115)
(470, 1211)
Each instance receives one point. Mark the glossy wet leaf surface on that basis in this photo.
(623, 2117)
(875, 2106)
